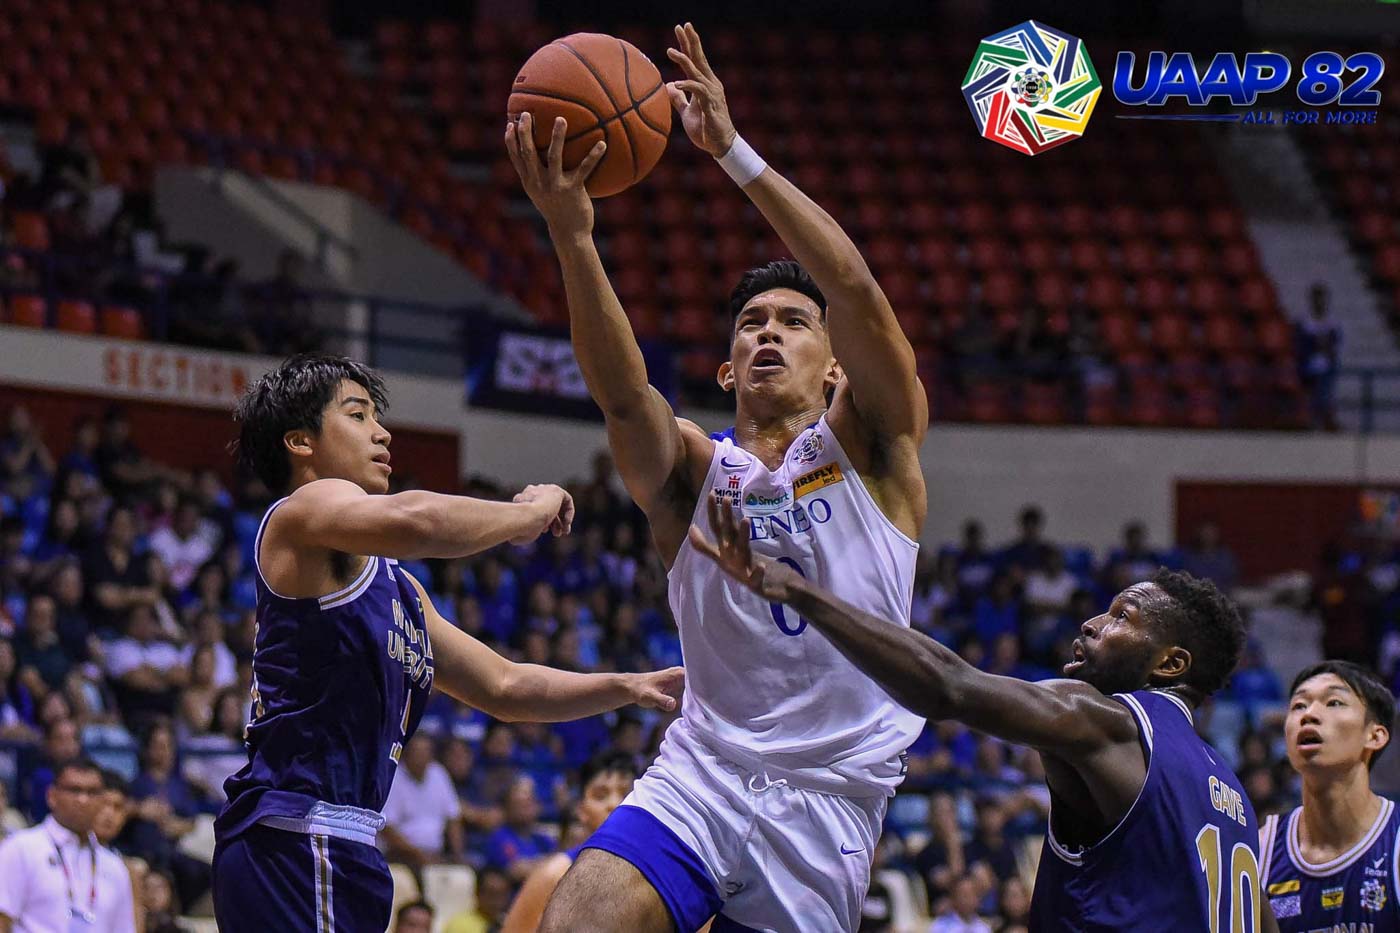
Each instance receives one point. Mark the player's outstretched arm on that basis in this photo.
(468, 671)
(874, 352)
(338, 515)
(646, 442)
(1068, 717)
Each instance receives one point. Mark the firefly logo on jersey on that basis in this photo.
(1324, 79)
(797, 520)
(1031, 88)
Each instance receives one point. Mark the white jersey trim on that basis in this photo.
(329, 601)
(1268, 830)
(1347, 858)
(1145, 725)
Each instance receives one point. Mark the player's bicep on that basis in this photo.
(338, 515)
(1066, 716)
(463, 668)
(879, 365)
(647, 447)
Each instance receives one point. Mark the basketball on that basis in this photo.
(606, 89)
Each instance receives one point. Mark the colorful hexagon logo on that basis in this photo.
(1031, 87)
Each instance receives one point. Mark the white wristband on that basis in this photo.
(741, 163)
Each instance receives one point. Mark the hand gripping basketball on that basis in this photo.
(558, 194)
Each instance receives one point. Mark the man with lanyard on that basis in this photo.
(56, 877)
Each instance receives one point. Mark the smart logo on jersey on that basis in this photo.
(1373, 895)
(759, 504)
(1332, 898)
(820, 478)
(1031, 88)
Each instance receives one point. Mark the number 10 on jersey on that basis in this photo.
(1241, 881)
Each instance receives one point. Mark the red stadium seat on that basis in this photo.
(76, 317)
(125, 323)
(28, 311)
(1104, 291)
(1156, 293)
(31, 231)
(1170, 332)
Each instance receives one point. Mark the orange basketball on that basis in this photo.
(606, 89)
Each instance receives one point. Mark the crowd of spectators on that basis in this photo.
(127, 619)
(66, 234)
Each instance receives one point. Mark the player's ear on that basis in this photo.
(1377, 737)
(298, 442)
(834, 375)
(725, 376)
(1174, 664)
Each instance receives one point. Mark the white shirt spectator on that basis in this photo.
(184, 556)
(127, 654)
(952, 923)
(1050, 591)
(420, 810)
(225, 664)
(46, 883)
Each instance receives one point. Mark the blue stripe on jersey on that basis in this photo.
(1189, 845)
(339, 684)
(1355, 891)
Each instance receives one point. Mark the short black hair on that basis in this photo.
(1366, 684)
(780, 273)
(290, 398)
(113, 781)
(1200, 618)
(80, 763)
(412, 905)
(606, 762)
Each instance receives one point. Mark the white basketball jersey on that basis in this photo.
(763, 688)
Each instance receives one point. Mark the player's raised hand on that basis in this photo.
(556, 510)
(699, 97)
(658, 690)
(730, 550)
(558, 194)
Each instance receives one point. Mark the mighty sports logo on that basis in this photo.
(1031, 87)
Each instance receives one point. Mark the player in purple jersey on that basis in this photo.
(1149, 830)
(1333, 863)
(348, 647)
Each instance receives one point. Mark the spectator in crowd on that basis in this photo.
(188, 544)
(941, 861)
(17, 712)
(280, 309)
(114, 579)
(158, 902)
(60, 745)
(1208, 558)
(606, 779)
(1028, 552)
(22, 450)
(1014, 905)
(493, 890)
(146, 670)
(11, 820)
(1133, 561)
(164, 811)
(1050, 586)
(414, 917)
(960, 915)
(423, 817)
(976, 568)
(56, 876)
(44, 662)
(1319, 340)
(120, 464)
(517, 846)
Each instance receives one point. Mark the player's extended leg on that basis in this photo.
(604, 893)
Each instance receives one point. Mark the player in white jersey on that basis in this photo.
(766, 801)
